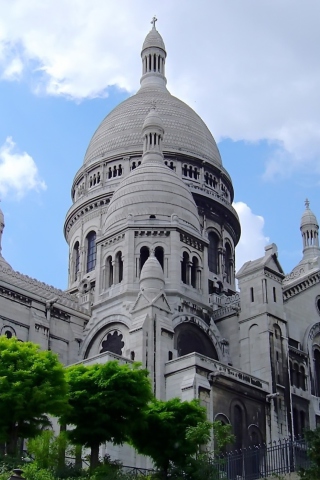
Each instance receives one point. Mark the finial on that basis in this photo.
(307, 203)
(152, 252)
(153, 21)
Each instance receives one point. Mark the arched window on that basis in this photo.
(109, 272)
(91, 251)
(119, 268)
(213, 252)
(316, 357)
(76, 260)
(159, 254)
(228, 262)
(144, 255)
(185, 268)
(194, 272)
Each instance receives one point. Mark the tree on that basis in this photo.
(163, 434)
(32, 385)
(106, 403)
(313, 441)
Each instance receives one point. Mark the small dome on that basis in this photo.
(153, 119)
(152, 190)
(153, 39)
(308, 217)
(152, 276)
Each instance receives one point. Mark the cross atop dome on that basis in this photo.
(307, 203)
(153, 21)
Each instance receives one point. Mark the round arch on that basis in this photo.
(189, 338)
(113, 322)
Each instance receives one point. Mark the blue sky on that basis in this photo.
(250, 69)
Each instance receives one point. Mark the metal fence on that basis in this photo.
(261, 461)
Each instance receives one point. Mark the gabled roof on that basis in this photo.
(34, 288)
(269, 261)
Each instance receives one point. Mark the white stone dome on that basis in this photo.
(308, 218)
(120, 132)
(152, 190)
(153, 39)
(152, 276)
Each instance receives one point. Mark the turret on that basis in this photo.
(153, 57)
(309, 228)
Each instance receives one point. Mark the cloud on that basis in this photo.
(18, 171)
(249, 68)
(253, 239)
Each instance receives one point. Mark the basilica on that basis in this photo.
(152, 235)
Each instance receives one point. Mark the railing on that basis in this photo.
(262, 461)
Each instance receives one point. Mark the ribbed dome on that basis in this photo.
(120, 131)
(153, 39)
(308, 217)
(152, 190)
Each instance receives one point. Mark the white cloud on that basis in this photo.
(18, 171)
(253, 239)
(249, 68)
(13, 70)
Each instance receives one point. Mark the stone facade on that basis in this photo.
(152, 235)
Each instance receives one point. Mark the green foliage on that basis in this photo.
(32, 384)
(165, 435)
(313, 440)
(106, 403)
(32, 471)
(223, 436)
(46, 449)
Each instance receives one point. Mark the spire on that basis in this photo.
(309, 228)
(153, 132)
(153, 56)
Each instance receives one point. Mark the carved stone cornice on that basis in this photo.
(6, 292)
(193, 242)
(294, 290)
(152, 233)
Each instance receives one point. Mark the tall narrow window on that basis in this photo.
(274, 294)
(109, 272)
(185, 268)
(76, 260)
(228, 262)
(213, 252)
(119, 267)
(252, 294)
(159, 254)
(144, 255)
(91, 251)
(194, 272)
(317, 371)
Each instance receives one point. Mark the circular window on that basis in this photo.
(318, 304)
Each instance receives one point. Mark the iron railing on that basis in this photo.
(261, 461)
